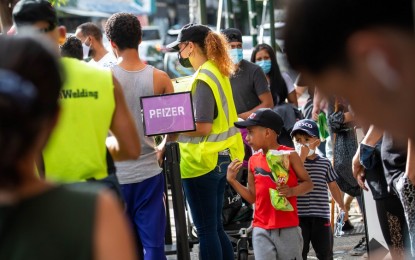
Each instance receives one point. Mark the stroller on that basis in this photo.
(237, 219)
(237, 215)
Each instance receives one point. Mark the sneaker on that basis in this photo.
(360, 248)
(347, 226)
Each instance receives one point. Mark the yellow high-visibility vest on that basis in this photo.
(76, 149)
(199, 155)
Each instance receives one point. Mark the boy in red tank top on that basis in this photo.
(276, 233)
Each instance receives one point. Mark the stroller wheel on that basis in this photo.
(242, 248)
(243, 255)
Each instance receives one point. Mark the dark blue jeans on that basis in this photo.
(205, 197)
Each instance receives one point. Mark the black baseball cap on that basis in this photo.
(232, 34)
(190, 32)
(306, 125)
(27, 12)
(264, 117)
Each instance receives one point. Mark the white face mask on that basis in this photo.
(310, 151)
(85, 50)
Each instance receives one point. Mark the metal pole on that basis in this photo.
(253, 31)
(203, 15)
(173, 170)
(168, 238)
(220, 12)
(263, 19)
(229, 15)
(272, 24)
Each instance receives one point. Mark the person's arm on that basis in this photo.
(348, 117)
(112, 237)
(262, 90)
(336, 194)
(266, 102)
(163, 85)
(291, 94)
(248, 193)
(318, 98)
(305, 184)
(204, 104)
(292, 98)
(371, 138)
(410, 162)
(126, 145)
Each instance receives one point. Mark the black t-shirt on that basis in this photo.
(375, 177)
(393, 154)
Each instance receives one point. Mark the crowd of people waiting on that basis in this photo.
(79, 179)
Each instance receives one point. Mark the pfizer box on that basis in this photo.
(170, 113)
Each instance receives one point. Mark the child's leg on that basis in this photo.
(306, 232)
(289, 243)
(264, 247)
(322, 238)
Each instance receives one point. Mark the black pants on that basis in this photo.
(393, 225)
(318, 232)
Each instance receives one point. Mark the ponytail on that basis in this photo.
(217, 51)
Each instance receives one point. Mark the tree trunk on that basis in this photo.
(6, 7)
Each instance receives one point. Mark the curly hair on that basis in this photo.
(90, 29)
(216, 50)
(72, 48)
(124, 30)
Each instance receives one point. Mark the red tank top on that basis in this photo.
(265, 215)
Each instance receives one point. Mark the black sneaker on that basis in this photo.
(347, 226)
(360, 248)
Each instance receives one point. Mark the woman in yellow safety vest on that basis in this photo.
(207, 151)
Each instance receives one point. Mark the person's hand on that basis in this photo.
(315, 144)
(285, 190)
(233, 169)
(304, 150)
(357, 168)
(361, 178)
(160, 156)
(315, 112)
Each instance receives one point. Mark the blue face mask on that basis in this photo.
(236, 55)
(265, 65)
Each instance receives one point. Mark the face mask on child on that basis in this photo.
(310, 151)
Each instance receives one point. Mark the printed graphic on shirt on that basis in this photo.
(264, 173)
(79, 93)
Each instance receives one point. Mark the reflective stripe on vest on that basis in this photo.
(213, 137)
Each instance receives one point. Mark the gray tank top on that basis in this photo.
(136, 84)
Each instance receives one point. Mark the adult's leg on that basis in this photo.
(222, 167)
(148, 212)
(201, 194)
